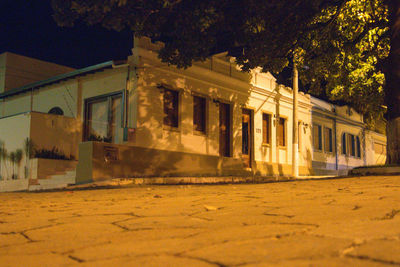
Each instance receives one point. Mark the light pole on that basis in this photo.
(295, 149)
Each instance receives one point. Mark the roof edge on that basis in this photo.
(58, 78)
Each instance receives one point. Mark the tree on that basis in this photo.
(341, 46)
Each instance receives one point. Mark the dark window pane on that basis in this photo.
(358, 147)
(56, 111)
(199, 114)
(171, 108)
(245, 138)
(344, 150)
(281, 132)
(352, 145)
(266, 127)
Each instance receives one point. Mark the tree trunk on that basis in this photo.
(392, 86)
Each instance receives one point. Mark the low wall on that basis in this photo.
(44, 168)
(101, 161)
(8, 185)
(48, 131)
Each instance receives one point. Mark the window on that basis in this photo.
(344, 144)
(282, 132)
(351, 144)
(171, 108)
(103, 118)
(358, 147)
(266, 120)
(56, 111)
(328, 146)
(317, 136)
(199, 114)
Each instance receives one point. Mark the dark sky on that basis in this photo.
(27, 28)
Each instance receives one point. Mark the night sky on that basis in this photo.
(27, 28)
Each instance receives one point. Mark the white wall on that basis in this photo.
(13, 131)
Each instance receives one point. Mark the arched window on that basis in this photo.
(56, 111)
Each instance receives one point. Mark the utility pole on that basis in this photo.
(295, 149)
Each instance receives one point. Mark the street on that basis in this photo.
(333, 222)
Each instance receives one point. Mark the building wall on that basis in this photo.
(219, 81)
(346, 121)
(62, 95)
(15, 105)
(376, 148)
(13, 132)
(50, 131)
(17, 70)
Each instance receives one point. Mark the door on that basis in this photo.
(224, 130)
(246, 138)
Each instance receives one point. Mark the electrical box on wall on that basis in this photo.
(129, 133)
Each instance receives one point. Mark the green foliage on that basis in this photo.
(337, 44)
(53, 153)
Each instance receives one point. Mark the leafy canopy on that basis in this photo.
(337, 44)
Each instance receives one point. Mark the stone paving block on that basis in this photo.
(382, 251)
(36, 260)
(270, 250)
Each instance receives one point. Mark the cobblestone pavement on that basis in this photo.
(337, 222)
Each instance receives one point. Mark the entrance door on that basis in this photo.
(224, 130)
(103, 119)
(246, 138)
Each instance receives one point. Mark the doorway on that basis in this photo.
(224, 130)
(247, 138)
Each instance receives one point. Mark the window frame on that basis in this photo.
(104, 97)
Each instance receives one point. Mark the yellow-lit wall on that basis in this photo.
(218, 80)
(62, 95)
(48, 131)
